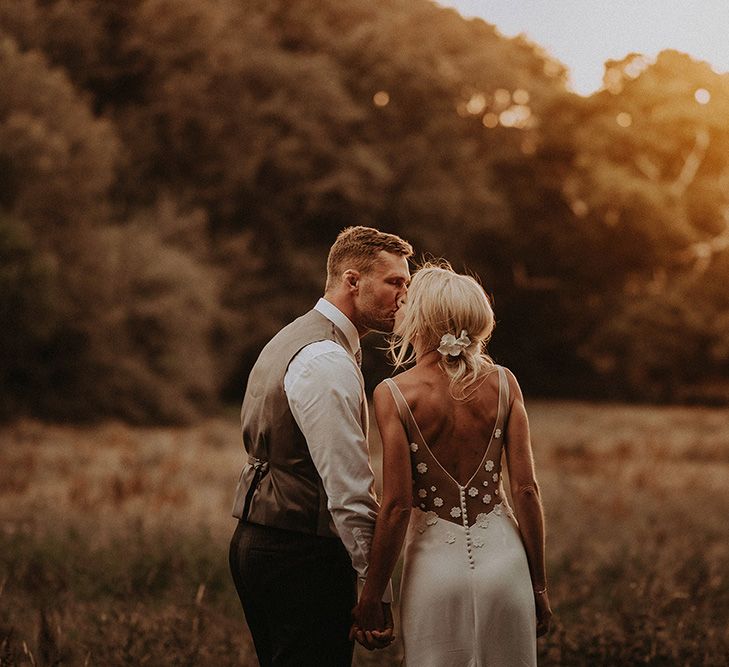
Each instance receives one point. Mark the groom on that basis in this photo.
(305, 498)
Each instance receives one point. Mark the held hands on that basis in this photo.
(544, 611)
(372, 624)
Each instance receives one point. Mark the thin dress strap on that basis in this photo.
(416, 437)
(503, 411)
(403, 409)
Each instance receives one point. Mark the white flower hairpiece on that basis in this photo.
(452, 346)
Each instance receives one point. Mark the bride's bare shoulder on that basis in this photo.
(413, 382)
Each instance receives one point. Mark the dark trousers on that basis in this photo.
(297, 593)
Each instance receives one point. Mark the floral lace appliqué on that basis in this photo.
(482, 520)
(422, 468)
(486, 499)
(438, 502)
(450, 538)
(473, 492)
(455, 512)
(429, 519)
(503, 509)
(413, 447)
(495, 475)
(497, 433)
(478, 542)
(489, 466)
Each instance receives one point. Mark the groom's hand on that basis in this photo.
(386, 636)
(373, 625)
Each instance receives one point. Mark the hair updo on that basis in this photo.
(441, 301)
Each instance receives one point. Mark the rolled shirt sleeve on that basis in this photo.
(325, 392)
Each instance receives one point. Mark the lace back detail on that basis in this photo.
(435, 491)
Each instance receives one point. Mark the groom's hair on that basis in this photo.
(358, 248)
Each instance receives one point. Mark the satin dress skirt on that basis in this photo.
(466, 597)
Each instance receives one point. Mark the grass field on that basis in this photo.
(113, 540)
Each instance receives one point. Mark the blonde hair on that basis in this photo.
(359, 248)
(441, 301)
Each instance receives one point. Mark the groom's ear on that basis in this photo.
(351, 280)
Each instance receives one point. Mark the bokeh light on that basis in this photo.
(702, 96)
(521, 96)
(624, 119)
(476, 104)
(579, 208)
(381, 98)
(502, 98)
(490, 120)
(515, 116)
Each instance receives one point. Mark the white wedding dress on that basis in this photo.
(466, 597)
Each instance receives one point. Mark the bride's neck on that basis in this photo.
(426, 357)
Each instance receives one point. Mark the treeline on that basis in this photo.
(172, 173)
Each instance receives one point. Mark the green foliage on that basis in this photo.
(27, 312)
(622, 215)
(136, 600)
(197, 159)
(57, 158)
(150, 342)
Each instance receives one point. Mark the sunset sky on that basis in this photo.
(583, 34)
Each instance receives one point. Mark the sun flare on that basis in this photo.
(584, 34)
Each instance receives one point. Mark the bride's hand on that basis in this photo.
(544, 612)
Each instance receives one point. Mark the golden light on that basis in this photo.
(521, 96)
(613, 80)
(624, 119)
(552, 68)
(507, 118)
(476, 104)
(502, 98)
(381, 98)
(490, 120)
(702, 96)
(515, 116)
(582, 40)
(579, 208)
(636, 66)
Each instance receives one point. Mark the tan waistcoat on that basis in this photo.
(279, 485)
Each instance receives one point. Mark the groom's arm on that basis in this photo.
(325, 396)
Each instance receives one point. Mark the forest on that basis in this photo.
(172, 173)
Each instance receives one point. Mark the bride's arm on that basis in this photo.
(527, 500)
(394, 514)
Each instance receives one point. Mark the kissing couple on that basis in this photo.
(473, 587)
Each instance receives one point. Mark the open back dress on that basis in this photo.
(466, 597)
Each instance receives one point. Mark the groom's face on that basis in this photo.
(381, 290)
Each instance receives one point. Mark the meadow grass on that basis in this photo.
(113, 540)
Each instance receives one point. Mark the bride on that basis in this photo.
(473, 588)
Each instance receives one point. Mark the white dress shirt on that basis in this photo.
(326, 394)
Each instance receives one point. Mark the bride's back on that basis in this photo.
(456, 431)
